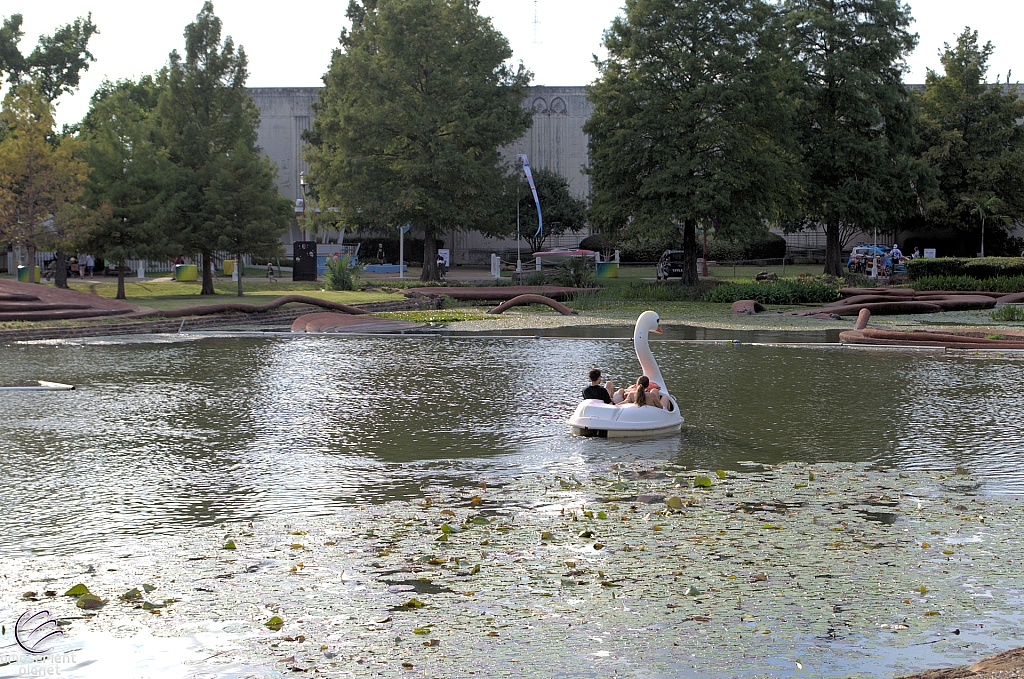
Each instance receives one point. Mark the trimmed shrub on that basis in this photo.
(969, 284)
(575, 272)
(800, 291)
(976, 267)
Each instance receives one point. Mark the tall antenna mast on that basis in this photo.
(536, 24)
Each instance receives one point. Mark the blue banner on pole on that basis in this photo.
(533, 187)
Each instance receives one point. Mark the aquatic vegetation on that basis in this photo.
(647, 570)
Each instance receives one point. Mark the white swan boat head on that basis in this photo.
(594, 417)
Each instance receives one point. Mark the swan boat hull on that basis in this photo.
(593, 417)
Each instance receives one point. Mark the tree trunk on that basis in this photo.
(60, 271)
(120, 280)
(31, 245)
(689, 253)
(833, 252)
(429, 256)
(207, 259)
(240, 270)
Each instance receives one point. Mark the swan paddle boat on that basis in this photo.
(594, 417)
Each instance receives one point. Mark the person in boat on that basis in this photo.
(643, 393)
(596, 390)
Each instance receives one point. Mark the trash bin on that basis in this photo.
(24, 274)
(304, 260)
(229, 267)
(186, 272)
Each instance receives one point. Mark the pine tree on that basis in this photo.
(415, 106)
(688, 127)
(205, 116)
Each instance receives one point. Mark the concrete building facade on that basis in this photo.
(555, 141)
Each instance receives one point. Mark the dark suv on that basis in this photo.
(670, 265)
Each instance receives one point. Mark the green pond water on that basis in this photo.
(166, 433)
(861, 519)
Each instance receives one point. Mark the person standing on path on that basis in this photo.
(90, 263)
(380, 253)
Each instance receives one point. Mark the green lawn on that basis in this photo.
(175, 295)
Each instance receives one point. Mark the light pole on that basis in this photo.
(519, 241)
(304, 184)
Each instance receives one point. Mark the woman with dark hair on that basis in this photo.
(641, 394)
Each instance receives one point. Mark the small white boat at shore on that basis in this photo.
(594, 417)
(43, 386)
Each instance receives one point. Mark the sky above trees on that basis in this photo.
(290, 44)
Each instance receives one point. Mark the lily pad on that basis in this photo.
(131, 595)
(275, 623)
(77, 590)
(230, 544)
(90, 602)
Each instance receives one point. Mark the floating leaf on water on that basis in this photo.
(77, 590)
(90, 602)
(702, 482)
(585, 534)
(656, 527)
(298, 532)
(432, 643)
(546, 535)
(275, 623)
(947, 551)
(475, 500)
(800, 485)
(475, 570)
(691, 591)
(928, 614)
(148, 587)
(923, 589)
(447, 512)
(421, 630)
(721, 474)
(479, 520)
(674, 503)
(414, 603)
(492, 634)
(602, 515)
(925, 545)
(442, 538)
(598, 545)
(230, 544)
(810, 476)
(131, 595)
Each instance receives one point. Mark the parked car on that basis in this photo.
(670, 265)
(861, 257)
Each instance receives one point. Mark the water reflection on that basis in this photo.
(167, 434)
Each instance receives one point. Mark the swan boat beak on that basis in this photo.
(658, 330)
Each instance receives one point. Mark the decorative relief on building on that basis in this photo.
(557, 107)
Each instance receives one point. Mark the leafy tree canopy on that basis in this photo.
(688, 122)
(970, 135)
(854, 118)
(416, 103)
(56, 63)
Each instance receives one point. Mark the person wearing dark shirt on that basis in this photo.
(596, 390)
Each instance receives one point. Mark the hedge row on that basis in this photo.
(764, 245)
(966, 283)
(776, 292)
(978, 268)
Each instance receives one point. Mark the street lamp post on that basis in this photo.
(304, 183)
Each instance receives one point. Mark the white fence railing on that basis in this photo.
(15, 259)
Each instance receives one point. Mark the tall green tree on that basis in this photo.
(971, 137)
(207, 122)
(415, 105)
(855, 120)
(688, 125)
(127, 173)
(41, 176)
(562, 211)
(56, 63)
(246, 222)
